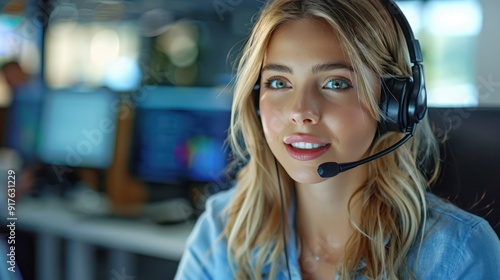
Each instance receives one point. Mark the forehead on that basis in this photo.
(305, 39)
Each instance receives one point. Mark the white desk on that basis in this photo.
(51, 219)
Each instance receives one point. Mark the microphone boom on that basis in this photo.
(331, 169)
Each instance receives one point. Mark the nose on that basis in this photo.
(304, 109)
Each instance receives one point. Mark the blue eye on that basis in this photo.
(337, 84)
(275, 83)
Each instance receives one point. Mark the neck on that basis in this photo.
(324, 211)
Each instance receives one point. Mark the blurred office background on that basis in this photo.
(113, 116)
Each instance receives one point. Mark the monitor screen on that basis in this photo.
(78, 128)
(179, 134)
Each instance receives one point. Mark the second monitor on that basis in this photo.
(179, 134)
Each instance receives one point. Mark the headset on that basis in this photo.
(403, 103)
(403, 100)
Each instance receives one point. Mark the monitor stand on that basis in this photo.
(167, 203)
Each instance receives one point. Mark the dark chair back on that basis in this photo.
(470, 176)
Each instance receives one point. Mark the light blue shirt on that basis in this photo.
(457, 245)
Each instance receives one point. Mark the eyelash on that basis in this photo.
(273, 79)
(347, 82)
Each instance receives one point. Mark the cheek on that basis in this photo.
(359, 128)
(273, 121)
(352, 127)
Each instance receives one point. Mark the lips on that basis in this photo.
(305, 147)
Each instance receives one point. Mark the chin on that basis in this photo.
(306, 176)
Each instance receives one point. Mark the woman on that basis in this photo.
(317, 67)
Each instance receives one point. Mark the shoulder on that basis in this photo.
(220, 200)
(205, 254)
(447, 221)
(211, 222)
(213, 218)
(456, 245)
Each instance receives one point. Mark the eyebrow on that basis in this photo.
(315, 69)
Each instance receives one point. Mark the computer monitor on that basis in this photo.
(23, 120)
(78, 128)
(179, 134)
(470, 159)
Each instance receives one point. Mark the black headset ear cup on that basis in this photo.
(256, 97)
(403, 101)
(393, 101)
(417, 105)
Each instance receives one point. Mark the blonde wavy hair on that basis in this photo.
(393, 197)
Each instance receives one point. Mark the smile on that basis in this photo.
(304, 151)
(306, 146)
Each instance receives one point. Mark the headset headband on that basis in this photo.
(411, 42)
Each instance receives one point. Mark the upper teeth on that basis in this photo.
(304, 145)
